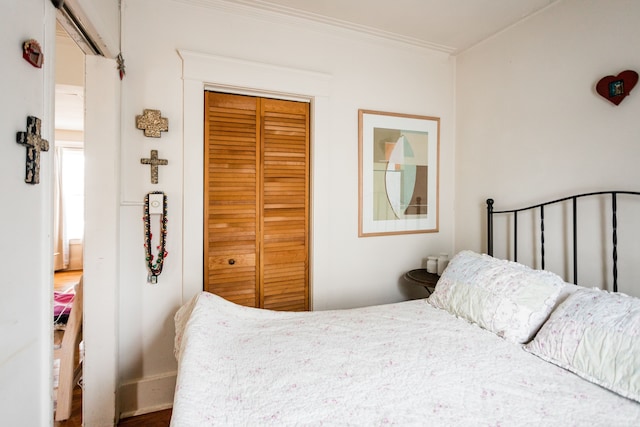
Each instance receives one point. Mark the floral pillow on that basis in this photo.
(596, 335)
(507, 298)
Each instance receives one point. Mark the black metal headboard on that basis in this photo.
(614, 225)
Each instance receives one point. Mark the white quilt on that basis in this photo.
(399, 364)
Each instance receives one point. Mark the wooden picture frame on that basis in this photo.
(399, 156)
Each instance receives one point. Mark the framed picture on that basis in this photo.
(398, 188)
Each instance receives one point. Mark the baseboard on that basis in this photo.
(146, 395)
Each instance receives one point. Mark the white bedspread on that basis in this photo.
(397, 364)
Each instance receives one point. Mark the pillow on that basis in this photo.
(595, 334)
(507, 298)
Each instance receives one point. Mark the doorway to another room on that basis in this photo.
(68, 229)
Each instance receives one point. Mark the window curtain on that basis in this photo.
(60, 244)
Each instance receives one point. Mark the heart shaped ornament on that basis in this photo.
(616, 88)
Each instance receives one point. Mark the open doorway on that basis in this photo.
(68, 227)
(99, 283)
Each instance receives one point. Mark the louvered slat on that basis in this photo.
(256, 201)
(231, 197)
(285, 147)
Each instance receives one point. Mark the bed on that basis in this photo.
(497, 343)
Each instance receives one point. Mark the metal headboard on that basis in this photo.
(614, 206)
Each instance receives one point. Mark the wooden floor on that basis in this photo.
(64, 281)
(154, 419)
(76, 411)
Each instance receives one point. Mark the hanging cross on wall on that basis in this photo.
(152, 123)
(154, 162)
(35, 144)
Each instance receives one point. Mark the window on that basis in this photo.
(72, 191)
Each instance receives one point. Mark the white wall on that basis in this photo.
(525, 106)
(26, 255)
(69, 61)
(363, 72)
(529, 123)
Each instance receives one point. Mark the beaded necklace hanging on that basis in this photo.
(155, 268)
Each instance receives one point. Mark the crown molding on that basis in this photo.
(270, 12)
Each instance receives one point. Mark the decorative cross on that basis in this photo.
(152, 122)
(34, 143)
(154, 161)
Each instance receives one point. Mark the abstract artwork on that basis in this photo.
(398, 173)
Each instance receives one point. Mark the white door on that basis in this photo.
(26, 353)
(26, 335)
(102, 210)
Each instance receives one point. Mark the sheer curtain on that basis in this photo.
(60, 249)
(69, 202)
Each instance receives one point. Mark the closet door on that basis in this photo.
(256, 201)
(231, 197)
(285, 207)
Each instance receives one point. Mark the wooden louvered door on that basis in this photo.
(231, 199)
(285, 204)
(257, 201)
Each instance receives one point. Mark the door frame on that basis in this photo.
(202, 72)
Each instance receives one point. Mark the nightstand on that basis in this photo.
(421, 277)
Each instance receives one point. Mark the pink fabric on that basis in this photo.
(62, 303)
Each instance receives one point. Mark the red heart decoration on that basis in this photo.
(616, 88)
(32, 52)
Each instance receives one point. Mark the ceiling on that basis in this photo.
(447, 25)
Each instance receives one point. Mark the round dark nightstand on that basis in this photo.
(422, 277)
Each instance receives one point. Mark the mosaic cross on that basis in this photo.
(152, 123)
(35, 144)
(154, 162)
